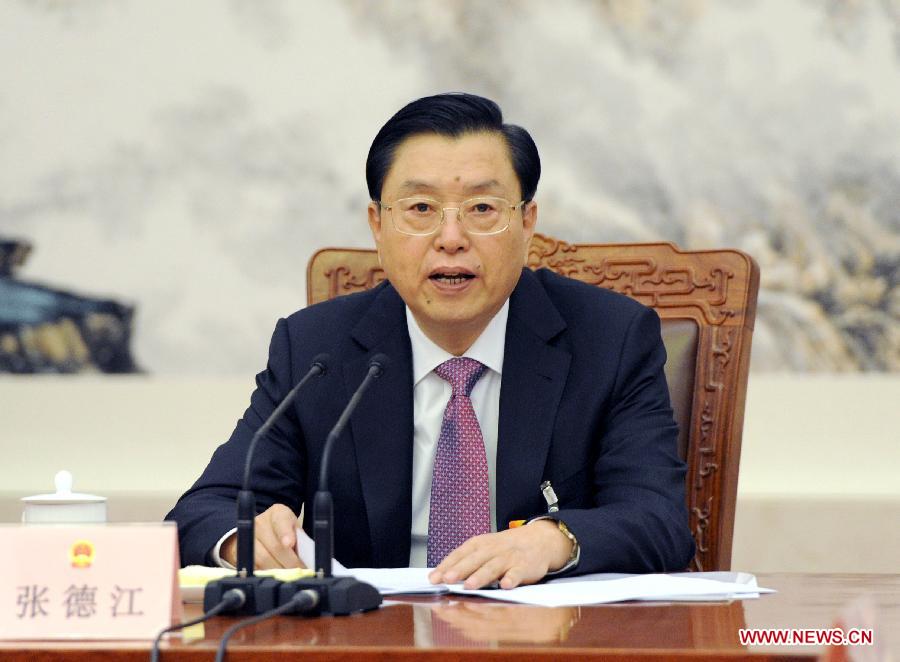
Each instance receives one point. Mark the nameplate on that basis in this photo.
(88, 581)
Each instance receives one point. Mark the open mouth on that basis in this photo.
(451, 278)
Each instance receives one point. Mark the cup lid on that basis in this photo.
(64, 494)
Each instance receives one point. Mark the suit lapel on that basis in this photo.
(534, 375)
(382, 428)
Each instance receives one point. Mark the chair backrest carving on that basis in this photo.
(706, 301)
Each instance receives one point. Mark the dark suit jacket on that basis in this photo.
(583, 403)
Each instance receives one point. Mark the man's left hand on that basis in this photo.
(514, 557)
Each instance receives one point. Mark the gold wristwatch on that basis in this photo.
(573, 556)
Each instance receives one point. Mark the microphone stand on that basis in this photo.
(337, 595)
(261, 592)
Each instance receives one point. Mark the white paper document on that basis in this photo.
(570, 591)
(584, 590)
(600, 589)
(394, 581)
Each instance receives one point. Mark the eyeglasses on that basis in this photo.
(421, 216)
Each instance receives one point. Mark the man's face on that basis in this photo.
(453, 311)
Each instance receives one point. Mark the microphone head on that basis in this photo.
(320, 362)
(378, 364)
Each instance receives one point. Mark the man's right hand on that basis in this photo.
(275, 541)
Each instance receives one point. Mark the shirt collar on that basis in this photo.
(487, 348)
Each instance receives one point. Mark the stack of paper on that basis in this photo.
(600, 589)
(573, 591)
(570, 591)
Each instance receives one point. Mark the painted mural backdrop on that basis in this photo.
(178, 163)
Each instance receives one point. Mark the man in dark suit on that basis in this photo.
(501, 379)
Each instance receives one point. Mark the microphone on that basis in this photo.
(261, 592)
(323, 507)
(337, 595)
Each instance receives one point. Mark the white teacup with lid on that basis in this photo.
(64, 505)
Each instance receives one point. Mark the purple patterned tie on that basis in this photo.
(460, 493)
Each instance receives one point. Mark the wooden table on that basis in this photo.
(445, 628)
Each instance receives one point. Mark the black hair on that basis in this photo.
(452, 114)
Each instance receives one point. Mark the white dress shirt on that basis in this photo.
(430, 397)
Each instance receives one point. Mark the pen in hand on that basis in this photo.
(550, 497)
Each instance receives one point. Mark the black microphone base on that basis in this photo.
(338, 596)
(261, 592)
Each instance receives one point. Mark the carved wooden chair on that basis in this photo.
(707, 303)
